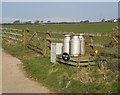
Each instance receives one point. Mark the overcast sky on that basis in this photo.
(62, 11)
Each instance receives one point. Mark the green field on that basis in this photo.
(83, 27)
(64, 78)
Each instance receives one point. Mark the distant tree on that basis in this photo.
(16, 22)
(41, 21)
(103, 20)
(111, 20)
(86, 21)
(28, 22)
(48, 21)
(81, 21)
(36, 22)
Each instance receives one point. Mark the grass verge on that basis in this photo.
(63, 78)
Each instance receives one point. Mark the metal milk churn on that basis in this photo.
(75, 46)
(82, 44)
(66, 44)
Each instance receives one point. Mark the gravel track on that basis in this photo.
(14, 79)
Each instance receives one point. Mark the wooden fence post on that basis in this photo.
(92, 42)
(45, 50)
(25, 33)
(48, 42)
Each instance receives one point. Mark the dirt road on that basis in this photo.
(14, 80)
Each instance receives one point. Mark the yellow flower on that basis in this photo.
(96, 51)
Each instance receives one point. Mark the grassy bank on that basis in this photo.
(63, 78)
(69, 79)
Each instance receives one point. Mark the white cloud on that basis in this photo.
(61, 19)
(9, 19)
(46, 19)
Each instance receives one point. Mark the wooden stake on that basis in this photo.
(45, 45)
(24, 38)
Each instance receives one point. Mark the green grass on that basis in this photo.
(58, 76)
(17, 50)
(64, 78)
(0, 42)
(83, 27)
